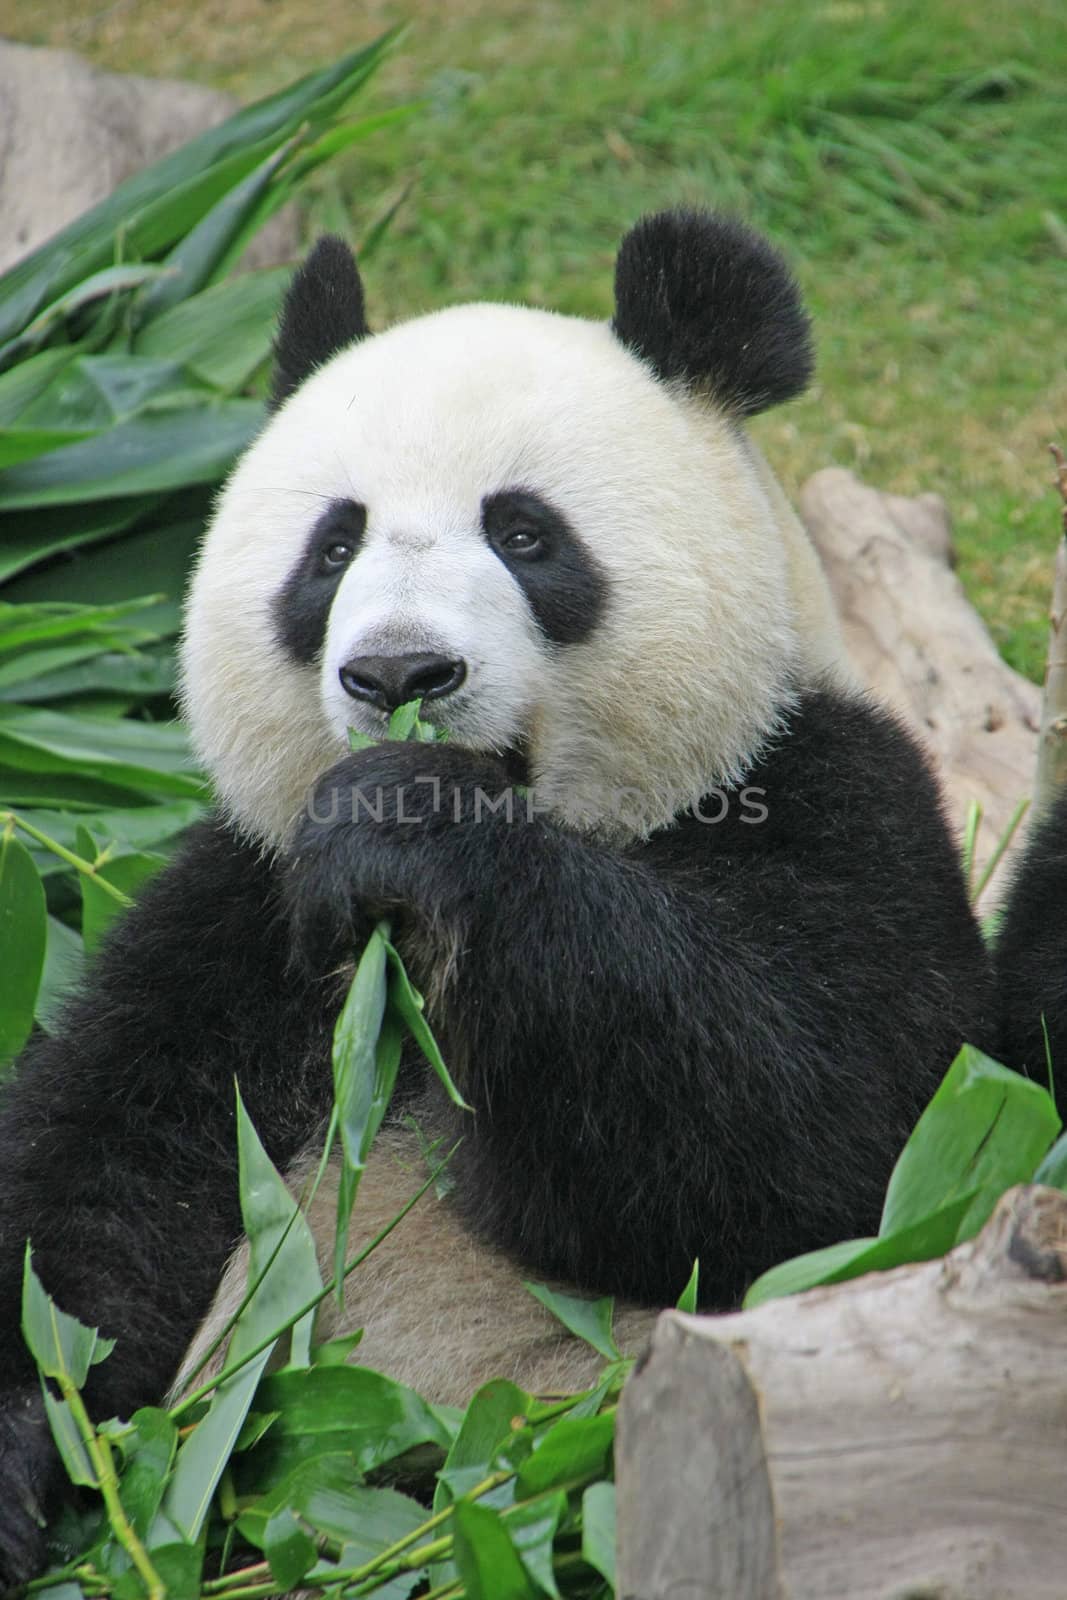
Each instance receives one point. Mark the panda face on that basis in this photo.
(581, 562)
(457, 610)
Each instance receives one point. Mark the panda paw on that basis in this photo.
(388, 830)
(28, 1471)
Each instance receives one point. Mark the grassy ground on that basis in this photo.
(909, 157)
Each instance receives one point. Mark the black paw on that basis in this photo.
(390, 831)
(29, 1471)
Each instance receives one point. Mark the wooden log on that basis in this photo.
(900, 1437)
(917, 641)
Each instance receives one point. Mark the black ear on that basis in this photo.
(705, 300)
(321, 314)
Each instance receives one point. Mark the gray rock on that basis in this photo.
(70, 133)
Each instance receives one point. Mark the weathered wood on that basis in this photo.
(917, 641)
(910, 1427)
(709, 1454)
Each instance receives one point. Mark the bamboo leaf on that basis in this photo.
(687, 1300)
(32, 537)
(222, 334)
(62, 1346)
(190, 265)
(931, 1236)
(23, 939)
(145, 455)
(408, 1007)
(283, 1264)
(488, 1562)
(985, 1129)
(590, 1320)
(152, 207)
(64, 965)
(598, 1529)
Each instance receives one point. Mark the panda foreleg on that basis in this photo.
(699, 1045)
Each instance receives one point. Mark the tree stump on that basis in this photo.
(899, 1437)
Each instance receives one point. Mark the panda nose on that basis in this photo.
(390, 681)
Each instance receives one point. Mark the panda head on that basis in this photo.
(552, 530)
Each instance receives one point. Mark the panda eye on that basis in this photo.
(336, 555)
(521, 541)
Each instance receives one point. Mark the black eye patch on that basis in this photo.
(301, 608)
(565, 587)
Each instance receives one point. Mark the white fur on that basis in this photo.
(715, 600)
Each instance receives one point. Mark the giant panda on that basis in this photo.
(697, 982)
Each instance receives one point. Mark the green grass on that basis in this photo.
(908, 157)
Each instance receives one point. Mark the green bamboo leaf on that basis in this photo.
(62, 1346)
(283, 1264)
(985, 1129)
(495, 1418)
(147, 454)
(127, 384)
(355, 1043)
(127, 873)
(157, 193)
(22, 625)
(23, 940)
(349, 1411)
(153, 556)
(135, 752)
(133, 676)
(488, 1562)
(96, 286)
(64, 966)
(68, 1441)
(32, 537)
(576, 1447)
(129, 829)
(25, 444)
(179, 1567)
(20, 387)
(149, 1445)
(336, 140)
(687, 1300)
(288, 1548)
(222, 334)
(532, 1530)
(323, 1492)
(407, 1005)
(598, 1529)
(194, 259)
(366, 1055)
(403, 720)
(931, 1236)
(590, 1320)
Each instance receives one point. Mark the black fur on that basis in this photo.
(705, 300)
(322, 313)
(713, 1043)
(301, 608)
(565, 587)
(1031, 955)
